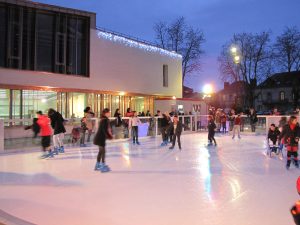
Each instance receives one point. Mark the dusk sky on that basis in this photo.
(218, 19)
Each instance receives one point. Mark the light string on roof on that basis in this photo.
(136, 44)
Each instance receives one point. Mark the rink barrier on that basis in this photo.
(13, 135)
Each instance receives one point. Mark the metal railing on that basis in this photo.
(14, 136)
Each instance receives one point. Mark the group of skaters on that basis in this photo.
(217, 122)
(51, 124)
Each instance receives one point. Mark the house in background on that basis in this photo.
(281, 90)
(232, 96)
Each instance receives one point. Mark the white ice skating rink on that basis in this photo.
(233, 184)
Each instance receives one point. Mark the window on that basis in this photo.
(269, 96)
(45, 42)
(282, 96)
(165, 76)
(35, 39)
(3, 37)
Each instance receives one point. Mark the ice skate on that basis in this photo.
(62, 149)
(55, 151)
(105, 168)
(97, 166)
(172, 147)
(296, 164)
(138, 143)
(288, 164)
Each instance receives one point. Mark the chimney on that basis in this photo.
(226, 85)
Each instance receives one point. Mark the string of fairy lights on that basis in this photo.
(135, 44)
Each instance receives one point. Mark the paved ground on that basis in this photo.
(232, 184)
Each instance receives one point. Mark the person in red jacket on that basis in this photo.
(45, 132)
(291, 134)
(237, 126)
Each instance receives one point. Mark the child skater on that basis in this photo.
(211, 130)
(176, 130)
(133, 124)
(103, 133)
(290, 134)
(45, 132)
(273, 135)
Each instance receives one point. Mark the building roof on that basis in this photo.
(233, 88)
(287, 79)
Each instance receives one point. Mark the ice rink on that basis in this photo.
(234, 183)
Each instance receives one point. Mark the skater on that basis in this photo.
(290, 135)
(176, 129)
(231, 117)
(164, 129)
(237, 126)
(103, 133)
(57, 123)
(211, 130)
(273, 135)
(253, 119)
(223, 122)
(86, 125)
(45, 132)
(34, 127)
(134, 123)
(117, 115)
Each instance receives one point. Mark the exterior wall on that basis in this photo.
(264, 102)
(113, 67)
(188, 106)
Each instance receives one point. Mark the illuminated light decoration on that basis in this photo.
(174, 97)
(135, 44)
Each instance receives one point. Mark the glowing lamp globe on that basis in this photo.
(207, 89)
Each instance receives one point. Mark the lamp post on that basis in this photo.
(236, 59)
(207, 90)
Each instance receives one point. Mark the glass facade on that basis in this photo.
(18, 104)
(34, 39)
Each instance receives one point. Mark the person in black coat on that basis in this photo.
(211, 130)
(273, 134)
(295, 210)
(103, 133)
(117, 115)
(253, 119)
(164, 122)
(176, 129)
(291, 134)
(57, 124)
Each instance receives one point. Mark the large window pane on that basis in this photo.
(28, 40)
(34, 101)
(14, 28)
(82, 43)
(45, 42)
(3, 32)
(4, 103)
(71, 46)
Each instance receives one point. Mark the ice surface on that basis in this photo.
(232, 184)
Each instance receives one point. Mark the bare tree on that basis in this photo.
(183, 39)
(254, 64)
(287, 49)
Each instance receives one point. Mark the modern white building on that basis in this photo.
(56, 57)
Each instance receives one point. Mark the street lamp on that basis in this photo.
(207, 90)
(233, 50)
